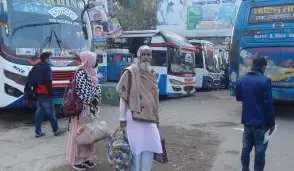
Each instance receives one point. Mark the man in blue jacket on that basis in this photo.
(254, 90)
(40, 78)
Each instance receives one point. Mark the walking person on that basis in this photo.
(255, 91)
(139, 99)
(89, 92)
(40, 78)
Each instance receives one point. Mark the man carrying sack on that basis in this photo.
(139, 101)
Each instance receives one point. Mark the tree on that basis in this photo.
(136, 14)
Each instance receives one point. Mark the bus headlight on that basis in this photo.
(12, 91)
(176, 82)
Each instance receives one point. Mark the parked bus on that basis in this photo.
(206, 64)
(173, 59)
(264, 29)
(33, 26)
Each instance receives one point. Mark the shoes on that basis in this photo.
(89, 164)
(84, 166)
(40, 135)
(60, 132)
(79, 167)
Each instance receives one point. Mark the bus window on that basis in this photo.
(129, 59)
(198, 60)
(209, 58)
(124, 59)
(100, 59)
(180, 63)
(158, 58)
(110, 59)
(117, 58)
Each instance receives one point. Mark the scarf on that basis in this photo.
(88, 62)
(140, 90)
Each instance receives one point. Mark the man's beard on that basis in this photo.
(145, 66)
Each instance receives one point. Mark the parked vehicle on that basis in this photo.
(206, 64)
(264, 29)
(172, 59)
(116, 63)
(29, 27)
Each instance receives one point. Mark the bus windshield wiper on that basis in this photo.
(60, 43)
(31, 25)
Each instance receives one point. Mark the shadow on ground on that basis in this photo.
(187, 150)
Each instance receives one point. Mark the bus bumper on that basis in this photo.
(283, 94)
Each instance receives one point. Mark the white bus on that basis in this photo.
(172, 59)
(206, 64)
(31, 26)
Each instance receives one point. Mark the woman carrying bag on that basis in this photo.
(81, 156)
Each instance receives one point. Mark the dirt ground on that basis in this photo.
(187, 150)
(199, 131)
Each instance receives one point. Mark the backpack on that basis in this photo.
(29, 92)
(72, 104)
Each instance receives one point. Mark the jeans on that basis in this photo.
(253, 136)
(142, 162)
(45, 105)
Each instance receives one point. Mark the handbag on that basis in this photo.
(91, 132)
(161, 158)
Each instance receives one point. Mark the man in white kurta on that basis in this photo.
(138, 92)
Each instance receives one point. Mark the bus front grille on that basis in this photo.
(62, 75)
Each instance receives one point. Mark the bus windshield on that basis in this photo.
(210, 61)
(30, 24)
(181, 62)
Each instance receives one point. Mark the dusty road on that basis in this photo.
(199, 133)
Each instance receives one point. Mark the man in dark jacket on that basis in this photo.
(41, 79)
(254, 90)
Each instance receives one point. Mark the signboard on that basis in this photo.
(277, 13)
(3, 12)
(194, 16)
(201, 18)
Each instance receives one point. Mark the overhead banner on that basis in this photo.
(191, 18)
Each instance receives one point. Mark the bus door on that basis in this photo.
(199, 64)
(110, 67)
(159, 65)
(102, 67)
(267, 35)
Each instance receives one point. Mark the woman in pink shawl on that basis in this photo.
(87, 88)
